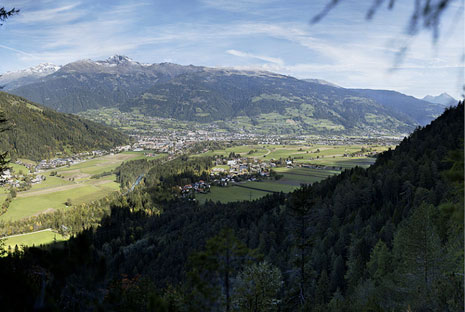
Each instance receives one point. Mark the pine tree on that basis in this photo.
(300, 208)
(256, 288)
(214, 268)
(420, 257)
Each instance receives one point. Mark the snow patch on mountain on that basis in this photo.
(118, 60)
(39, 70)
(11, 80)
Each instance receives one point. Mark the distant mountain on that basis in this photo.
(443, 99)
(205, 94)
(404, 107)
(12, 80)
(37, 132)
(86, 84)
(221, 94)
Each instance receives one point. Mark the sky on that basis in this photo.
(344, 47)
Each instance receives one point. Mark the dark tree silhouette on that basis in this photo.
(426, 13)
(4, 125)
(4, 13)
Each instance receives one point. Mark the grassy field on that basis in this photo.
(343, 162)
(73, 183)
(255, 151)
(317, 154)
(98, 165)
(297, 176)
(18, 168)
(230, 194)
(35, 238)
(35, 202)
(269, 185)
(51, 182)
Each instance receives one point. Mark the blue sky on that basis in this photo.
(343, 48)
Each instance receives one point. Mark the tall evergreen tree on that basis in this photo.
(256, 288)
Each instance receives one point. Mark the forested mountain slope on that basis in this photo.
(86, 84)
(214, 94)
(404, 106)
(386, 238)
(36, 132)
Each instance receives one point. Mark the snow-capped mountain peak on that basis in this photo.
(118, 60)
(41, 69)
(44, 68)
(11, 80)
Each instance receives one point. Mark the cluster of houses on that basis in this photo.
(197, 187)
(240, 169)
(57, 162)
(242, 166)
(69, 160)
(20, 180)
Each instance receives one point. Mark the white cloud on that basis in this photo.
(16, 50)
(60, 14)
(269, 59)
(244, 6)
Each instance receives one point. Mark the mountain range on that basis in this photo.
(12, 80)
(404, 107)
(203, 94)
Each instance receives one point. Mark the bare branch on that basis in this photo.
(4, 14)
(331, 5)
(426, 14)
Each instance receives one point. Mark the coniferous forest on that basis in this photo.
(36, 132)
(386, 238)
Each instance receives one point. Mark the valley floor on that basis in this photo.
(310, 163)
(88, 181)
(62, 189)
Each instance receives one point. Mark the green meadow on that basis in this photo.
(54, 199)
(230, 194)
(297, 176)
(268, 185)
(304, 153)
(18, 168)
(291, 179)
(34, 238)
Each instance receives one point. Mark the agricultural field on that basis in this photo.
(297, 176)
(35, 238)
(73, 184)
(243, 150)
(331, 158)
(307, 154)
(291, 179)
(230, 194)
